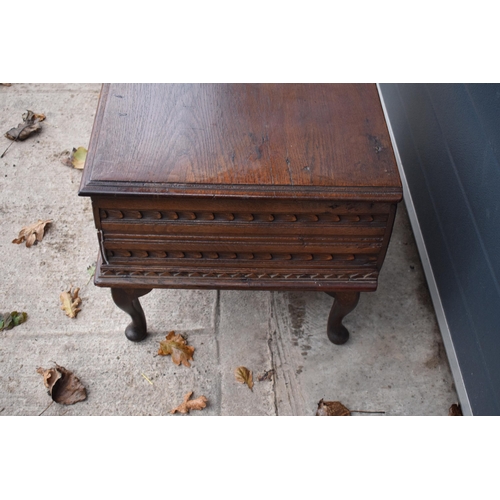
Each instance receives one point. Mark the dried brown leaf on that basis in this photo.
(455, 411)
(6, 84)
(31, 124)
(70, 302)
(63, 386)
(76, 159)
(332, 409)
(50, 376)
(32, 233)
(194, 404)
(244, 375)
(176, 346)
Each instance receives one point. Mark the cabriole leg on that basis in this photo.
(127, 299)
(344, 303)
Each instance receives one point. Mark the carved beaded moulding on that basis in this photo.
(172, 215)
(254, 256)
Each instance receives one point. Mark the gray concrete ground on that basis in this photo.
(394, 362)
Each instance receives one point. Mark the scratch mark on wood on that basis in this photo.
(288, 164)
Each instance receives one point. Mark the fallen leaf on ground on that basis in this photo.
(70, 302)
(244, 375)
(332, 409)
(10, 320)
(455, 411)
(91, 271)
(176, 346)
(267, 375)
(31, 124)
(194, 404)
(76, 159)
(6, 84)
(32, 233)
(64, 387)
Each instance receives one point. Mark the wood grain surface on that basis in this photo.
(238, 244)
(241, 186)
(305, 140)
(270, 186)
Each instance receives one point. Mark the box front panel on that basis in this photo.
(241, 243)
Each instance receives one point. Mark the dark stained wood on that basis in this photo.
(255, 139)
(344, 303)
(127, 299)
(246, 187)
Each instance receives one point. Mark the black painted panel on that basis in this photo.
(448, 137)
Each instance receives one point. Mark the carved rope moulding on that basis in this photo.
(346, 276)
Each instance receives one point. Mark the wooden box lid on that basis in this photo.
(252, 140)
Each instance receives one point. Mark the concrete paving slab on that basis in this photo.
(243, 335)
(394, 361)
(114, 371)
